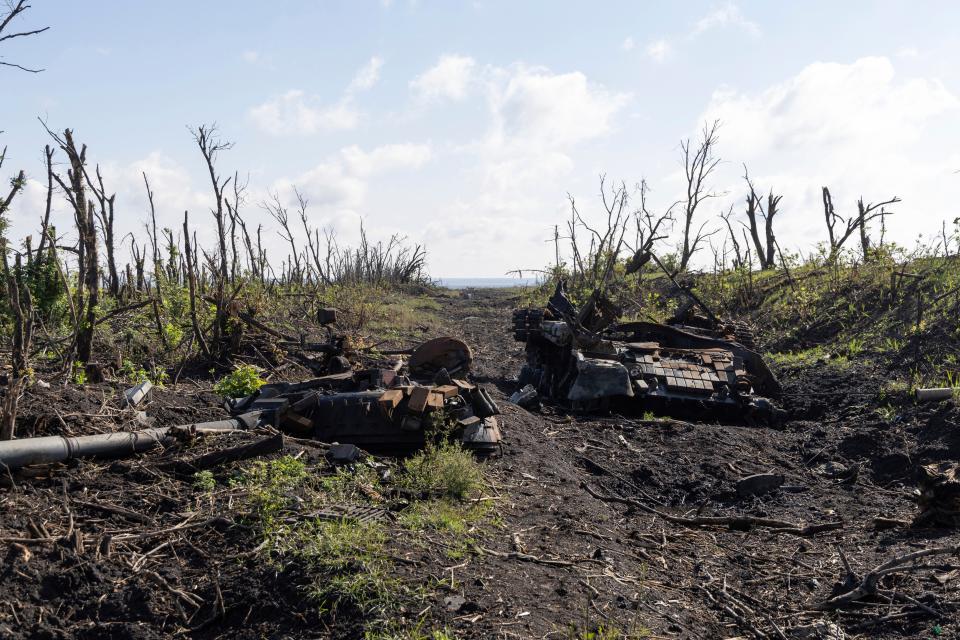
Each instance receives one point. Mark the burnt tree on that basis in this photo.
(698, 164)
(210, 146)
(88, 284)
(6, 33)
(865, 213)
(757, 212)
(105, 215)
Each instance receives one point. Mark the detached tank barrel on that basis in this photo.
(15, 454)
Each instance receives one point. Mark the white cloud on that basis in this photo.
(385, 158)
(449, 78)
(908, 52)
(856, 128)
(628, 44)
(832, 104)
(658, 50)
(723, 16)
(339, 182)
(532, 107)
(250, 56)
(520, 167)
(296, 113)
(367, 76)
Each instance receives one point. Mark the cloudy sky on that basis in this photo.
(464, 125)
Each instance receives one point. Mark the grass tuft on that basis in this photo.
(443, 470)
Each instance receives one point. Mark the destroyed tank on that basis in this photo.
(393, 411)
(585, 359)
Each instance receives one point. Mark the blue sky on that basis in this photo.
(464, 125)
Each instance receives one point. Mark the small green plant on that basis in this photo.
(79, 373)
(887, 413)
(204, 481)
(455, 522)
(242, 381)
(442, 470)
(132, 373)
(270, 485)
(951, 378)
(348, 485)
(892, 345)
(607, 632)
(350, 564)
(854, 347)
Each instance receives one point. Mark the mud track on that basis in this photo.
(557, 559)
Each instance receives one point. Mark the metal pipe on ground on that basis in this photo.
(941, 393)
(15, 454)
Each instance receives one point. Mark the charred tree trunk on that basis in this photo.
(192, 283)
(88, 284)
(21, 307)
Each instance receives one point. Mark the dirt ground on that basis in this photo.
(122, 549)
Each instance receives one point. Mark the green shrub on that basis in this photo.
(204, 481)
(240, 382)
(445, 470)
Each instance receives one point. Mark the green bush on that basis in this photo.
(444, 470)
(240, 382)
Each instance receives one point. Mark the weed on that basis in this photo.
(242, 381)
(348, 485)
(951, 379)
(417, 633)
(797, 358)
(894, 390)
(270, 484)
(854, 347)
(132, 373)
(607, 632)
(439, 426)
(204, 481)
(444, 470)
(79, 373)
(352, 566)
(887, 413)
(892, 345)
(454, 521)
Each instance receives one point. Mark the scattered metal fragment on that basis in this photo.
(526, 397)
(133, 396)
(356, 513)
(939, 500)
(759, 484)
(441, 353)
(344, 454)
(940, 393)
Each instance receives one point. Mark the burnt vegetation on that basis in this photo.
(588, 522)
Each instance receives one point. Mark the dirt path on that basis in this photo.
(573, 561)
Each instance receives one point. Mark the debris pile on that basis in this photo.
(939, 499)
(585, 358)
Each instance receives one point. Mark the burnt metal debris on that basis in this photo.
(939, 500)
(584, 358)
(394, 411)
(15, 454)
(386, 410)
